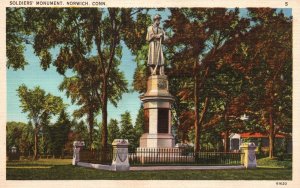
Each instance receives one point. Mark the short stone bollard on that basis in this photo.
(120, 155)
(249, 158)
(77, 146)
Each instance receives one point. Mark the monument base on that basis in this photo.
(159, 140)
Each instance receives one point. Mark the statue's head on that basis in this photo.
(156, 19)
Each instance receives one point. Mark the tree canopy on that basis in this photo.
(40, 107)
(220, 65)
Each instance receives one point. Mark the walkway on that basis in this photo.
(152, 168)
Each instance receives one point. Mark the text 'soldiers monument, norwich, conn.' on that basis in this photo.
(157, 100)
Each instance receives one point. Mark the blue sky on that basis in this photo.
(49, 80)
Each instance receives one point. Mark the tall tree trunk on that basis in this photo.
(271, 136)
(226, 141)
(198, 120)
(226, 132)
(91, 127)
(204, 110)
(196, 111)
(36, 140)
(104, 114)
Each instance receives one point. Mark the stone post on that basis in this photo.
(249, 158)
(120, 155)
(77, 146)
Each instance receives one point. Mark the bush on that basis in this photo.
(13, 156)
(280, 156)
(274, 163)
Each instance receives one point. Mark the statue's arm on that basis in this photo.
(163, 35)
(150, 34)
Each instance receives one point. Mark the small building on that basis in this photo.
(236, 139)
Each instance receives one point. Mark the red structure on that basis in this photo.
(262, 140)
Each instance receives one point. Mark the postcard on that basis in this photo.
(149, 94)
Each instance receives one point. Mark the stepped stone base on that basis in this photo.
(159, 140)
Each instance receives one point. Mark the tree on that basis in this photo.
(15, 38)
(59, 134)
(138, 128)
(81, 34)
(13, 134)
(83, 89)
(39, 106)
(44, 134)
(271, 78)
(264, 57)
(96, 145)
(197, 35)
(230, 99)
(113, 130)
(80, 131)
(127, 131)
(20, 135)
(26, 141)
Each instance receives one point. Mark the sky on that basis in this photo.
(49, 80)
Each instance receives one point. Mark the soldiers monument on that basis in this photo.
(157, 100)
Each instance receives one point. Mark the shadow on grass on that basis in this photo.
(32, 165)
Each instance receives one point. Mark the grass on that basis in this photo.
(274, 163)
(61, 169)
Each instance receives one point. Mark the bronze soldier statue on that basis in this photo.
(155, 37)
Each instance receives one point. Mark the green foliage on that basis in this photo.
(269, 71)
(219, 66)
(59, 134)
(38, 104)
(96, 144)
(139, 123)
(84, 88)
(126, 125)
(127, 130)
(40, 107)
(197, 36)
(20, 135)
(244, 69)
(113, 130)
(135, 38)
(280, 151)
(274, 163)
(136, 29)
(89, 43)
(80, 131)
(138, 128)
(140, 78)
(15, 38)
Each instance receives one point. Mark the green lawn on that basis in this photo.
(274, 163)
(61, 169)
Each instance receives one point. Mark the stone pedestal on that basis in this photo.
(120, 155)
(157, 103)
(77, 146)
(249, 158)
